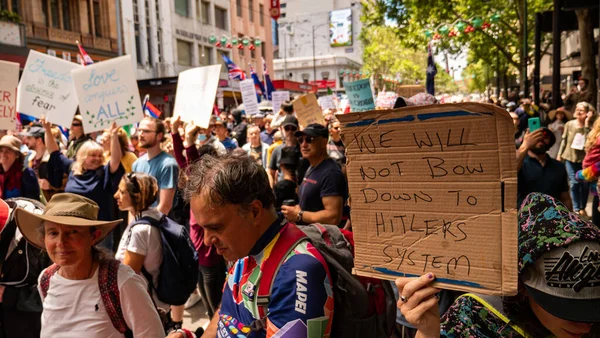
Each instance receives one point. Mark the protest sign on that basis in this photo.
(8, 94)
(386, 100)
(46, 88)
(279, 97)
(308, 110)
(249, 97)
(107, 93)
(196, 91)
(433, 189)
(326, 102)
(360, 95)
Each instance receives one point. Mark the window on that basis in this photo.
(97, 18)
(251, 10)
(252, 54)
(54, 14)
(205, 54)
(184, 53)
(223, 64)
(240, 38)
(181, 7)
(221, 18)
(158, 33)
(238, 7)
(136, 29)
(149, 38)
(11, 6)
(261, 15)
(203, 12)
(66, 16)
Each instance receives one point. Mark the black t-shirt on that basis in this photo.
(326, 179)
(550, 179)
(284, 190)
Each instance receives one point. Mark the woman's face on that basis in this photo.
(560, 115)
(335, 129)
(123, 198)
(559, 327)
(68, 245)
(93, 160)
(7, 156)
(580, 113)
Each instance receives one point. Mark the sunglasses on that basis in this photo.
(133, 179)
(290, 128)
(308, 139)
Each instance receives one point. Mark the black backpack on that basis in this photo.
(179, 268)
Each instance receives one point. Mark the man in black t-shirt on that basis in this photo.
(324, 189)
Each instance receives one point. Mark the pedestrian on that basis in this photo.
(572, 151)
(286, 109)
(88, 175)
(195, 136)
(277, 141)
(585, 95)
(77, 137)
(558, 118)
(287, 189)
(15, 179)
(557, 295)
(335, 147)
(288, 127)
(324, 190)
(255, 148)
(240, 127)
(234, 204)
(222, 134)
(85, 293)
(267, 133)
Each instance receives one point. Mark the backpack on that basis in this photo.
(109, 292)
(363, 307)
(179, 268)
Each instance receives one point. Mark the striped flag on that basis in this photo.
(268, 84)
(257, 84)
(86, 59)
(150, 109)
(235, 72)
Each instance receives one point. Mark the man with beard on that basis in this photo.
(539, 172)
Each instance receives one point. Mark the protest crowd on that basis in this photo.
(116, 232)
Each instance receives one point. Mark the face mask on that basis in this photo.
(202, 137)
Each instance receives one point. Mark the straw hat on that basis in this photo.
(66, 209)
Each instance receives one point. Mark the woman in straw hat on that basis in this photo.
(85, 293)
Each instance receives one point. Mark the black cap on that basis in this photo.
(314, 130)
(290, 120)
(37, 132)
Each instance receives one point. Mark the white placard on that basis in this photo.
(326, 102)
(279, 97)
(196, 90)
(107, 93)
(578, 142)
(47, 88)
(8, 94)
(249, 97)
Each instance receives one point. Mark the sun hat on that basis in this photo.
(559, 259)
(66, 209)
(11, 142)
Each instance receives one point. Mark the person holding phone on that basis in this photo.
(572, 152)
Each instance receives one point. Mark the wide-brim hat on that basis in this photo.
(66, 209)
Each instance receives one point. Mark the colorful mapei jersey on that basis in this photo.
(301, 303)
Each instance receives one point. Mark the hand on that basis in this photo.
(176, 124)
(113, 131)
(558, 158)
(531, 139)
(588, 118)
(420, 308)
(176, 334)
(2, 288)
(44, 184)
(191, 129)
(47, 125)
(291, 212)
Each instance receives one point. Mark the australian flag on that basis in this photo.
(431, 72)
(268, 84)
(257, 84)
(235, 72)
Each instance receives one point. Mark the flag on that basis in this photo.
(87, 60)
(235, 72)
(431, 72)
(151, 110)
(268, 84)
(257, 83)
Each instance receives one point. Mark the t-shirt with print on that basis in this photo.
(144, 239)
(74, 308)
(163, 167)
(301, 303)
(326, 179)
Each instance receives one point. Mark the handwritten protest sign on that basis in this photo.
(360, 95)
(107, 93)
(308, 110)
(326, 102)
(279, 97)
(196, 91)
(8, 94)
(249, 97)
(433, 189)
(46, 88)
(386, 100)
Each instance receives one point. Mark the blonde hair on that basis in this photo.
(595, 132)
(82, 154)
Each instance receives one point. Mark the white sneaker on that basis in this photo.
(193, 300)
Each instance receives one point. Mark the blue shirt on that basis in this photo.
(229, 144)
(163, 167)
(550, 179)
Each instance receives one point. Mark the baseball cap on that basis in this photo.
(290, 120)
(559, 259)
(314, 130)
(37, 132)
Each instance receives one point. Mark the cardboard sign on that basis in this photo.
(434, 189)
(249, 97)
(8, 94)
(308, 110)
(196, 91)
(279, 97)
(360, 95)
(107, 93)
(326, 102)
(47, 88)
(386, 100)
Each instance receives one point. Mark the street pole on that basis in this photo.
(525, 47)
(314, 58)
(119, 29)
